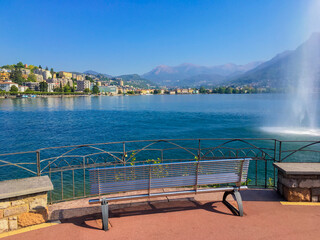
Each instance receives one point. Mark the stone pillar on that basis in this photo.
(299, 182)
(23, 202)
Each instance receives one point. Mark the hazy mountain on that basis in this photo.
(136, 80)
(91, 72)
(285, 69)
(207, 80)
(184, 73)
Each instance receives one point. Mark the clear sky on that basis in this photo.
(118, 37)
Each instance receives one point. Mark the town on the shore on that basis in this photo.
(25, 80)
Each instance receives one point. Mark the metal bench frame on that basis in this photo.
(239, 175)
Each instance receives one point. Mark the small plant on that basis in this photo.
(270, 182)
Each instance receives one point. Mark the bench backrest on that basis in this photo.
(175, 174)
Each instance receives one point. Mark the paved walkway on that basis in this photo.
(265, 218)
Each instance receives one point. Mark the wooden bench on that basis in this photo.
(122, 179)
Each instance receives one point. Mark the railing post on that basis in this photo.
(149, 187)
(199, 150)
(38, 163)
(280, 149)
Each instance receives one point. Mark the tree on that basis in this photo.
(16, 76)
(67, 88)
(40, 67)
(221, 90)
(32, 77)
(95, 89)
(28, 91)
(14, 90)
(47, 68)
(86, 90)
(202, 90)
(51, 71)
(156, 91)
(19, 65)
(43, 87)
(229, 90)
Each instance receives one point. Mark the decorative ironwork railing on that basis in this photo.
(67, 166)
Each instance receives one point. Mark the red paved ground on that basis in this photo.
(265, 218)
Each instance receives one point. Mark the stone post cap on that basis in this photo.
(25, 186)
(298, 168)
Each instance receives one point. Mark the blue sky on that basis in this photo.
(118, 37)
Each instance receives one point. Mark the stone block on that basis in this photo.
(310, 183)
(17, 202)
(16, 210)
(4, 204)
(297, 194)
(315, 199)
(4, 226)
(13, 223)
(32, 218)
(38, 203)
(1, 213)
(315, 191)
(288, 182)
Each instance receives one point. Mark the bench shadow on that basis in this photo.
(90, 220)
(263, 195)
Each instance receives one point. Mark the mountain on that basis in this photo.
(91, 72)
(187, 73)
(285, 69)
(206, 80)
(136, 80)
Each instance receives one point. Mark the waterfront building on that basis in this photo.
(82, 85)
(34, 86)
(63, 74)
(172, 92)
(184, 91)
(52, 86)
(6, 86)
(109, 89)
(22, 88)
(121, 83)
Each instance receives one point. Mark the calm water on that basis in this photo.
(29, 124)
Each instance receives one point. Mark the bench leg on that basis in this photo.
(238, 198)
(105, 214)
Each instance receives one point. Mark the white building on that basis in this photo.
(6, 86)
(82, 85)
(22, 88)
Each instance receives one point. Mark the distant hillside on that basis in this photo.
(91, 72)
(206, 80)
(136, 80)
(189, 73)
(285, 69)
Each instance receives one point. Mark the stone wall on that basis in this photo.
(23, 211)
(298, 187)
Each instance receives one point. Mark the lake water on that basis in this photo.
(29, 124)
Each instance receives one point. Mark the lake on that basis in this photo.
(29, 124)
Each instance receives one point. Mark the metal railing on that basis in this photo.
(67, 166)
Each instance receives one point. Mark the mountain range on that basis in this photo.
(283, 70)
(192, 75)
